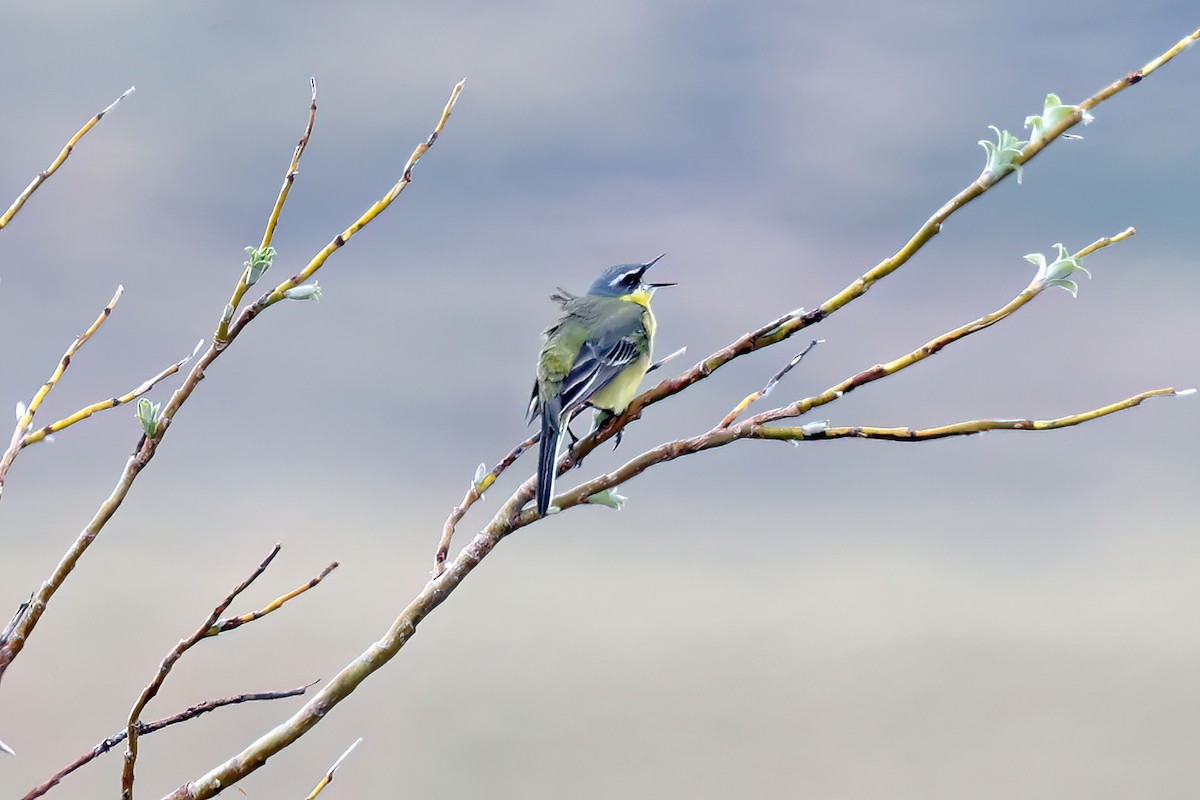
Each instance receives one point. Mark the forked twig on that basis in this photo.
(766, 390)
(33, 437)
(164, 669)
(25, 420)
(289, 178)
(223, 625)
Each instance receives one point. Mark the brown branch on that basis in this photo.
(164, 669)
(146, 728)
(45, 174)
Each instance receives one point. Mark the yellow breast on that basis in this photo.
(617, 395)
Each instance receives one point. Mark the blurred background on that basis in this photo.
(998, 616)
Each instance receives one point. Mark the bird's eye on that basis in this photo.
(630, 279)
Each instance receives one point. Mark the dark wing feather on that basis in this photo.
(595, 367)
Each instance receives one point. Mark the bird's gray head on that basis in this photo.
(624, 279)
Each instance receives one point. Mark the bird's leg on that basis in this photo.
(599, 419)
(571, 433)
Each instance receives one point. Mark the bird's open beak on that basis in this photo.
(650, 264)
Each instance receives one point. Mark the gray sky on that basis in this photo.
(1007, 615)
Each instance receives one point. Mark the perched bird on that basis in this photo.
(594, 356)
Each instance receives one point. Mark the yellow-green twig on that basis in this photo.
(968, 428)
(289, 178)
(45, 174)
(34, 437)
(26, 420)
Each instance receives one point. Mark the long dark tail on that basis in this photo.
(547, 458)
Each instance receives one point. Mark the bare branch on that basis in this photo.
(164, 669)
(146, 728)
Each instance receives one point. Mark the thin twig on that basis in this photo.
(328, 779)
(293, 168)
(667, 359)
(44, 175)
(223, 625)
(478, 487)
(26, 419)
(164, 669)
(766, 390)
(146, 728)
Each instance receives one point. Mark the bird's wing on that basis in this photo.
(599, 361)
